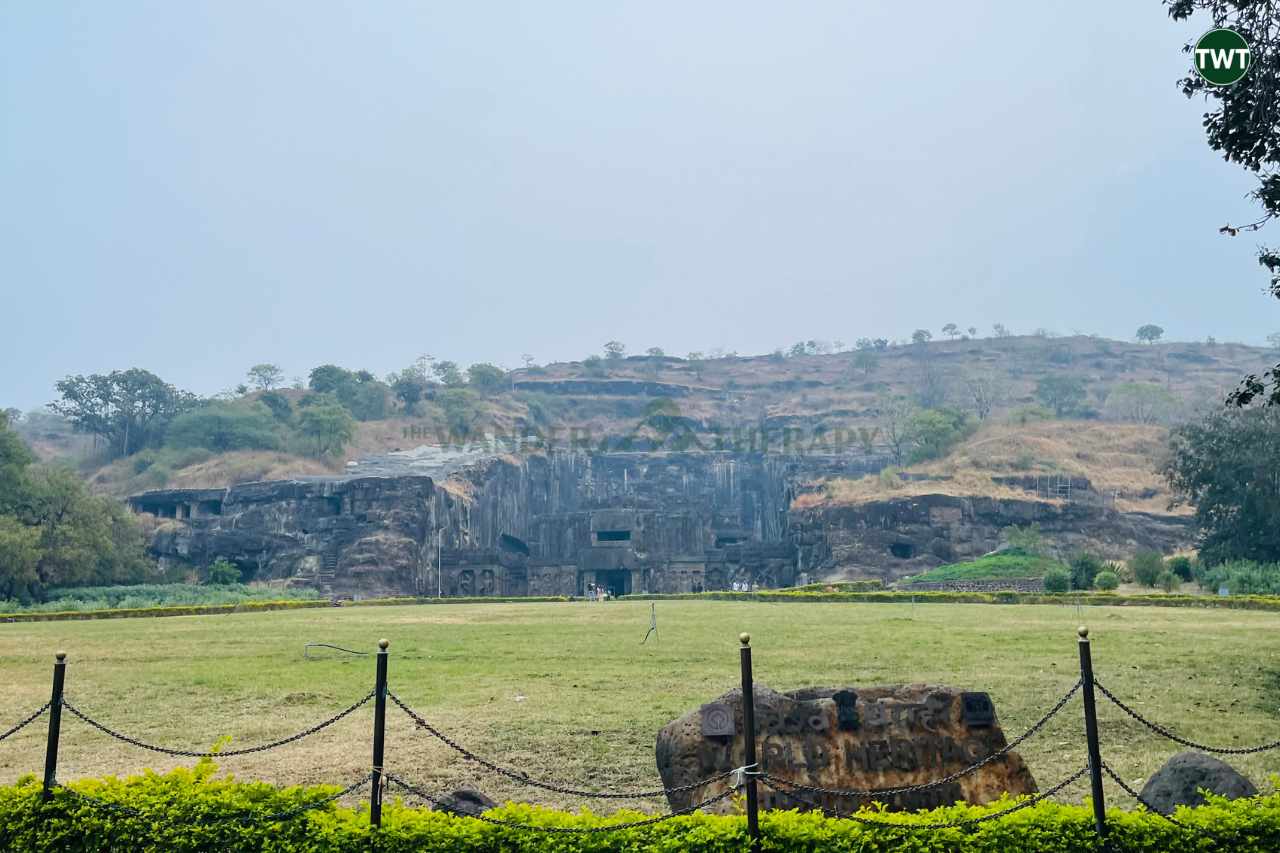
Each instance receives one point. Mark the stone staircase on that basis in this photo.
(327, 572)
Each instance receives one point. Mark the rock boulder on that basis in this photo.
(1179, 781)
(847, 738)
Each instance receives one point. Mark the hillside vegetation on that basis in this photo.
(1120, 460)
(1006, 401)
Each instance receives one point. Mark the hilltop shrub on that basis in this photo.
(1057, 580)
(1180, 566)
(1106, 581)
(1146, 567)
(222, 572)
(187, 810)
(1025, 540)
(1243, 577)
(1084, 571)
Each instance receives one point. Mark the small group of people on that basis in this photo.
(745, 586)
(597, 592)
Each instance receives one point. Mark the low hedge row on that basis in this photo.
(804, 594)
(252, 606)
(1102, 599)
(176, 610)
(192, 810)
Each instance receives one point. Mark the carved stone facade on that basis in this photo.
(541, 524)
(850, 738)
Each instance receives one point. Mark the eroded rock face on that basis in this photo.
(847, 738)
(1179, 781)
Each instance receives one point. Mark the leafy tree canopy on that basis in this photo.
(1228, 467)
(1243, 124)
(129, 409)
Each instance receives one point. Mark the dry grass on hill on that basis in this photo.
(228, 469)
(1120, 459)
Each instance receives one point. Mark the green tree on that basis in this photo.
(1065, 395)
(614, 350)
(281, 408)
(951, 330)
(461, 412)
(1243, 126)
(921, 336)
(1228, 467)
(330, 379)
(328, 426)
(264, 377)
(410, 388)
(933, 432)
(486, 378)
(449, 374)
(1057, 580)
(654, 352)
(1106, 580)
(1085, 569)
(14, 459)
(1149, 333)
(367, 400)
(1147, 567)
(221, 427)
(128, 409)
(222, 572)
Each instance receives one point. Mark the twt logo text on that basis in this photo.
(1221, 57)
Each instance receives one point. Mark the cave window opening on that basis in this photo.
(902, 550)
(613, 535)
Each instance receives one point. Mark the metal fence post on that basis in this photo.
(749, 743)
(379, 733)
(55, 725)
(1091, 734)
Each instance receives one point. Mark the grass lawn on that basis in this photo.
(566, 691)
(990, 567)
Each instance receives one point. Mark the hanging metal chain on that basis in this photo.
(954, 824)
(523, 779)
(225, 753)
(246, 817)
(1166, 733)
(613, 827)
(35, 715)
(872, 793)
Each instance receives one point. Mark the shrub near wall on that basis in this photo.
(190, 810)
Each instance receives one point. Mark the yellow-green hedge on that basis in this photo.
(180, 812)
(1089, 599)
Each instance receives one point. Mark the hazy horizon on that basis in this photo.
(195, 189)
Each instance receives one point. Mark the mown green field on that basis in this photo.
(567, 692)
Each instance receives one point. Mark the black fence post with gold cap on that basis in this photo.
(55, 724)
(1091, 733)
(749, 743)
(379, 734)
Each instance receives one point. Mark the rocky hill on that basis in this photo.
(772, 402)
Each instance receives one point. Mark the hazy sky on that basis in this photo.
(196, 187)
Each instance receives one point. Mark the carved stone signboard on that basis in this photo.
(847, 738)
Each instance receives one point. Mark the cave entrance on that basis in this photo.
(902, 550)
(617, 581)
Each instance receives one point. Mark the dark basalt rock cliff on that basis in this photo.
(539, 524)
(554, 523)
(904, 536)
